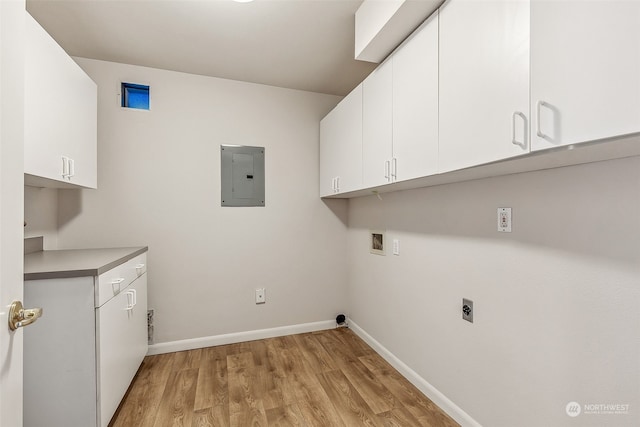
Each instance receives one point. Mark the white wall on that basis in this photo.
(159, 185)
(556, 301)
(41, 215)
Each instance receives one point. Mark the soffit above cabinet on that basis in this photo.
(381, 26)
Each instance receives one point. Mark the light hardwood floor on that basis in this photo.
(327, 378)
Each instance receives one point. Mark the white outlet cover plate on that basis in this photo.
(260, 296)
(396, 247)
(504, 220)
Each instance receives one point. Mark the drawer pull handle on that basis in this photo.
(139, 268)
(115, 284)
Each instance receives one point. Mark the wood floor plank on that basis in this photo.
(315, 355)
(348, 339)
(399, 417)
(280, 380)
(261, 355)
(375, 394)
(286, 416)
(217, 416)
(142, 401)
(302, 382)
(326, 378)
(351, 407)
(421, 407)
(187, 359)
(176, 406)
(212, 387)
(270, 385)
(344, 352)
(245, 401)
(319, 411)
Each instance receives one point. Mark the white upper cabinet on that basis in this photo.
(585, 71)
(377, 130)
(415, 104)
(484, 82)
(400, 112)
(341, 146)
(60, 115)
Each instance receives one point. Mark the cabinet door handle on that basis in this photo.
(514, 140)
(386, 169)
(65, 166)
(130, 300)
(72, 168)
(540, 104)
(135, 297)
(337, 184)
(394, 168)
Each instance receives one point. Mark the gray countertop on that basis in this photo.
(61, 264)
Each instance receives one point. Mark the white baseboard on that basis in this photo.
(190, 344)
(423, 385)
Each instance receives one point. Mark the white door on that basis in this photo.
(11, 204)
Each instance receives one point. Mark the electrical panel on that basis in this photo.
(242, 175)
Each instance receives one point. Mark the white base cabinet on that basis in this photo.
(81, 356)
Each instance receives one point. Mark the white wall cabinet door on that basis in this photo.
(60, 114)
(585, 71)
(377, 130)
(484, 82)
(341, 146)
(415, 104)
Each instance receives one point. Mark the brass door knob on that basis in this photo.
(19, 316)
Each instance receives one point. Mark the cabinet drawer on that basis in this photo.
(113, 281)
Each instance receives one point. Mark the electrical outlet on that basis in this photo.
(467, 310)
(396, 247)
(260, 296)
(504, 220)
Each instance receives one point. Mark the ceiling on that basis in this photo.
(298, 44)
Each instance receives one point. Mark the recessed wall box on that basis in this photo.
(242, 175)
